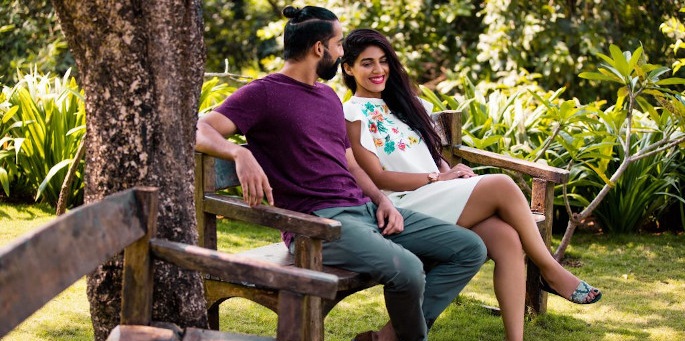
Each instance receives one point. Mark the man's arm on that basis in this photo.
(212, 131)
(390, 221)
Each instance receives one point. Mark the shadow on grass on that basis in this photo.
(24, 211)
(67, 327)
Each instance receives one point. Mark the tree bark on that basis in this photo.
(141, 64)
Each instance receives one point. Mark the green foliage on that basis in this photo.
(648, 186)
(42, 124)
(527, 122)
(674, 29)
(442, 42)
(30, 38)
(43, 121)
(213, 94)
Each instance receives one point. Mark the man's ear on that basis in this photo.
(318, 49)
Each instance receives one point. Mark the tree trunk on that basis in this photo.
(141, 64)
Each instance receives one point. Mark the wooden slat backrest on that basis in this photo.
(39, 265)
(225, 174)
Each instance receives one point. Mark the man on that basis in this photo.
(296, 133)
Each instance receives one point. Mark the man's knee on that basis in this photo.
(406, 274)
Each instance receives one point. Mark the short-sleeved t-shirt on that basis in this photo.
(296, 131)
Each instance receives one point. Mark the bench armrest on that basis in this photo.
(238, 269)
(274, 217)
(536, 170)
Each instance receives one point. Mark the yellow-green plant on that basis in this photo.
(643, 92)
(43, 121)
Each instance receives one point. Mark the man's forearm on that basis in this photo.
(367, 185)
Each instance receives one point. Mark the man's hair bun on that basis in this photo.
(291, 12)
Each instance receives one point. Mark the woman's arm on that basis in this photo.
(397, 181)
(368, 161)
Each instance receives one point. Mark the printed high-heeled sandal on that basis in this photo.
(579, 296)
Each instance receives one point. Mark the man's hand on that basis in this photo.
(252, 178)
(390, 221)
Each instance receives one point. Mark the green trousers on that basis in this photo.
(413, 298)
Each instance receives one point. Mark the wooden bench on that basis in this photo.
(213, 175)
(38, 266)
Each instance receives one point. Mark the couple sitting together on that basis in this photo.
(374, 164)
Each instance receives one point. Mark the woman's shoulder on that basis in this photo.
(355, 107)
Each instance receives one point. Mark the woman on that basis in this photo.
(393, 139)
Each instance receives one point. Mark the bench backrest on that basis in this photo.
(39, 265)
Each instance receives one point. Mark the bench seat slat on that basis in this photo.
(277, 253)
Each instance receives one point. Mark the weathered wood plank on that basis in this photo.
(136, 294)
(293, 318)
(533, 169)
(242, 269)
(41, 264)
(269, 216)
(277, 253)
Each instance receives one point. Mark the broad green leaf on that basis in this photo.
(56, 168)
(656, 73)
(621, 63)
(598, 77)
(607, 59)
(671, 81)
(635, 58)
(10, 113)
(431, 97)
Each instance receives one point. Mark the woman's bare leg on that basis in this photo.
(509, 279)
(498, 195)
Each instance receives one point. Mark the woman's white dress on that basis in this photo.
(400, 149)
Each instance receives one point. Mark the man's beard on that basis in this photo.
(327, 68)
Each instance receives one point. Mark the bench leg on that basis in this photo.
(542, 201)
(213, 317)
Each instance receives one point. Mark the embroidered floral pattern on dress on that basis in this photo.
(385, 130)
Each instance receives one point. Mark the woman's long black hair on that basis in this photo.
(400, 94)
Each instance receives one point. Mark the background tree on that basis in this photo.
(141, 66)
(30, 38)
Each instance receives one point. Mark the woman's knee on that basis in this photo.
(502, 240)
(507, 246)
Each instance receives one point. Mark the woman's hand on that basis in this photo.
(459, 171)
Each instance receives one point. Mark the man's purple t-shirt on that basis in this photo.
(296, 132)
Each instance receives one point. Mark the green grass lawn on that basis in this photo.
(641, 277)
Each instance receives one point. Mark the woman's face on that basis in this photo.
(370, 72)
